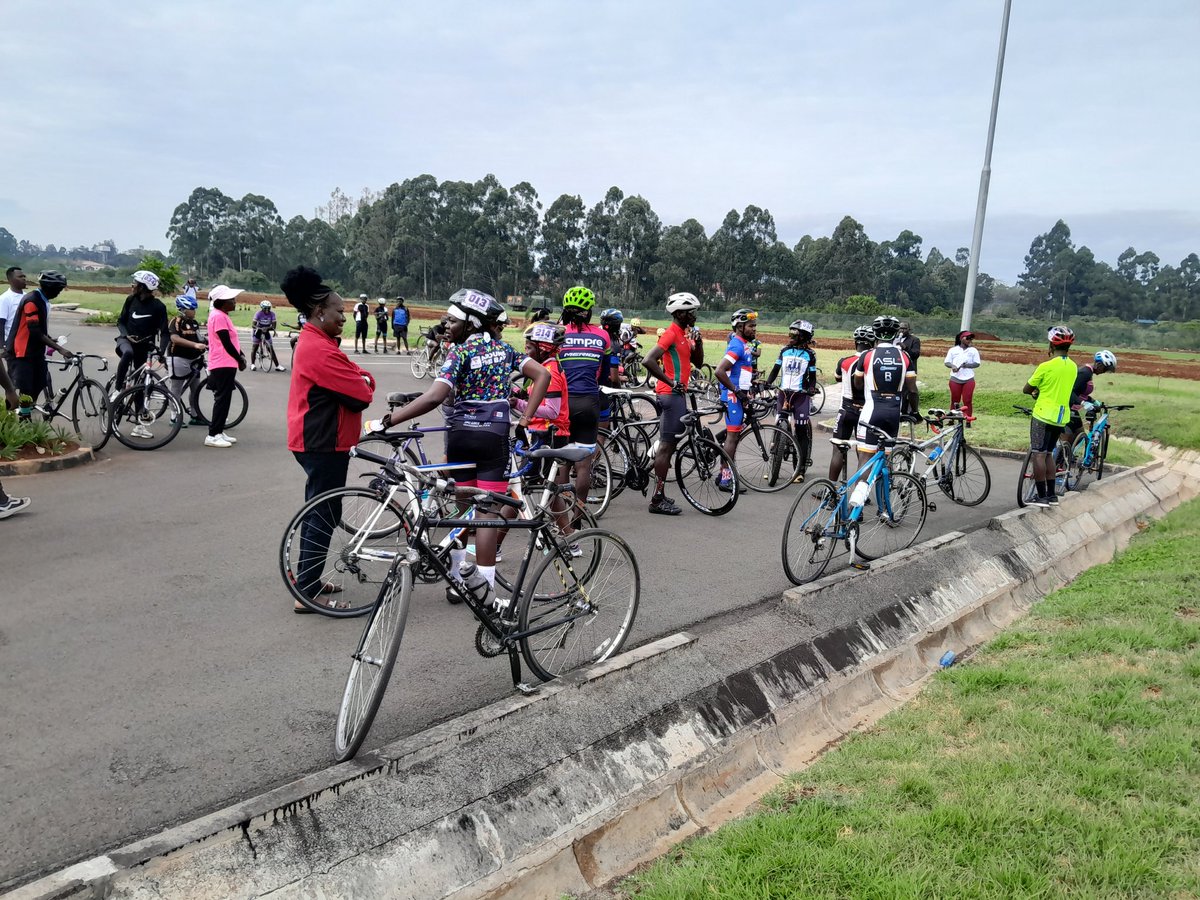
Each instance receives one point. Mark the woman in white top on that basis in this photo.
(962, 360)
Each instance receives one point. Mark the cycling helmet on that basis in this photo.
(546, 333)
(802, 325)
(502, 316)
(52, 279)
(886, 328)
(682, 302)
(363, 297)
(579, 297)
(265, 304)
(1107, 358)
(864, 334)
(636, 323)
(612, 315)
(184, 301)
(475, 307)
(149, 279)
(1060, 336)
(742, 316)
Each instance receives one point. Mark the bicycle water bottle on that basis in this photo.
(859, 495)
(937, 451)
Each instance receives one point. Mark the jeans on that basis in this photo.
(220, 382)
(326, 470)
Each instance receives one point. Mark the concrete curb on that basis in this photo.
(70, 460)
(638, 754)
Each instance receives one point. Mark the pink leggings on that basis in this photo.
(961, 393)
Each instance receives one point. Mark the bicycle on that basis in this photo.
(89, 403)
(1090, 447)
(766, 456)
(826, 515)
(959, 470)
(262, 353)
(198, 397)
(555, 620)
(145, 400)
(1063, 477)
(429, 358)
(818, 395)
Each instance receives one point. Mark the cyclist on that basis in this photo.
(28, 340)
(542, 340)
(400, 324)
(680, 347)
(881, 377)
(846, 424)
(735, 372)
(186, 347)
(477, 370)
(797, 363)
(362, 313)
(1081, 394)
(611, 320)
(263, 327)
(381, 324)
(143, 318)
(584, 360)
(1051, 385)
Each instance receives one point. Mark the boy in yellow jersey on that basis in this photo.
(1051, 384)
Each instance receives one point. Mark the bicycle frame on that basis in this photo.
(1095, 433)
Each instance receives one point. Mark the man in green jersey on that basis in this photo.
(1051, 385)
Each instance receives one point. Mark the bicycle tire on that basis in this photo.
(1079, 448)
(418, 363)
(370, 672)
(1103, 454)
(89, 414)
(818, 399)
(644, 411)
(894, 522)
(615, 583)
(635, 372)
(1026, 485)
(1063, 476)
(902, 459)
(267, 357)
(698, 462)
(761, 467)
(506, 573)
(357, 574)
(362, 473)
(807, 546)
(202, 403)
(776, 459)
(599, 493)
(966, 479)
(123, 416)
(620, 465)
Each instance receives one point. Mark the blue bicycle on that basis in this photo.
(876, 512)
(1090, 447)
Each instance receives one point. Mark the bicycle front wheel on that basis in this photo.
(266, 357)
(810, 532)
(419, 363)
(1078, 454)
(136, 409)
(895, 519)
(1101, 454)
(202, 403)
(965, 479)
(619, 465)
(89, 414)
(818, 399)
(595, 602)
(1026, 483)
(767, 458)
(372, 662)
(337, 550)
(698, 465)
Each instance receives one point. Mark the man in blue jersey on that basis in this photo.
(735, 372)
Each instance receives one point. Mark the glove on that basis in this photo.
(678, 388)
(373, 426)
(742, 397)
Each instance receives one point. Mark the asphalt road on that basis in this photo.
(152, 668)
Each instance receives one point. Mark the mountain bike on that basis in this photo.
(556, 619)
(1064, 477)
(89, 403)
(959, 470)
(1090, 447)
(874, 513)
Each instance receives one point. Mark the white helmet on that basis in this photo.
(265, 304)
(682, 302)
(149, 279)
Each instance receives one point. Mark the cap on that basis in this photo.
(223, 292)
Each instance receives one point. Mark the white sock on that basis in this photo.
(488, 572)
(457, 556)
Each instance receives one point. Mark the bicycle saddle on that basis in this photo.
(566, 454)
(398, 398)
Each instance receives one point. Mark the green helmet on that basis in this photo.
(579, 297)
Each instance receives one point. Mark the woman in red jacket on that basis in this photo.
(325, 404)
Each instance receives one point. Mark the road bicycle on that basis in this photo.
(1090, 447)
(874, 513)
(766, 456)
(146, 401)
(818, 395)
(556, 619)
(262, 353)
(704, 382)
(1064, 477)
(958, 470)
(89, 403)
(429, 358)
(198, 397)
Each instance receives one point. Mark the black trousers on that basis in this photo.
(325, 471)
(220, 382)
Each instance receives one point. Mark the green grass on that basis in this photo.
(1061, 760)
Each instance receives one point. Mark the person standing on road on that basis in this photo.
(400, 325)
(362, 323)
(797, 363)
(880, 379)
(680, 347)
(846, 423)
(186, 347)
(735, 372)
(584, 360)
(10, 299)
(225, 359)
(381, 324)
(1051, 385)
(962, 360)
(142, 323)
(10, 505)
(28, 338)
(325, 404)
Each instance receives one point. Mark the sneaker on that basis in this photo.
(282, 368)
(575, 550)
(1052, 499)
(141, 431)
(1039, 501)
(664, 506)
(253, 367)
(13, 505)
(228, 437)
(725, 481)
(217, 441)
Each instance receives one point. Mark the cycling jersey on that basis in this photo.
(478, 371)
(557, 391)
(842, 373)
(676, 359)
(25, 334)
(626, 333)
(400, 317)
(584, 359)
(740, 354)
(885, 371)
(381, 317)
(264, 320)
(1054, 379)
(796, 366)
(1084, 385)
(189, 330)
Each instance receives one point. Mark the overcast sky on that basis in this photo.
(815, 110)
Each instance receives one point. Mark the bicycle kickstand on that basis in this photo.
(514, 663)
(860, 564)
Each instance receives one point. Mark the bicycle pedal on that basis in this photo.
(528, 689)
(932, 506)
(861, 566)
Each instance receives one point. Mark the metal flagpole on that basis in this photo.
(985, 178)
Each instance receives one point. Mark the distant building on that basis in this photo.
(89, 266)
(1145, 321)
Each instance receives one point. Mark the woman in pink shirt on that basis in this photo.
(225, 359)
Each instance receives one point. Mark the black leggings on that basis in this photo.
(131, 355)
(220, 382)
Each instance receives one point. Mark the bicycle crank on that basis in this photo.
(486, 643)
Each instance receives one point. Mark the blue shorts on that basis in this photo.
(735, 415)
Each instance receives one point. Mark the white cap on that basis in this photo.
(223, 292)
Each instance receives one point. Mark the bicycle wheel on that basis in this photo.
(644, 410)
(1102, 454)
(339, 548)
(137, 408)
(635, 372)
(266, 359)
(600, 490)
(619, 461)
(89, 414)
(767, 458)
(818, 399)
(966, 479)
(419, 363)
(810, 532)
(698, 464)
(1026, 485)
(895, 519)
(362, 473)
(902, 459)
(372, 662)
(1078, 453)
(202, 403)
(591, 617)
(1064, 477)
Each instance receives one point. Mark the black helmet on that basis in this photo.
(886, 328)
(475, 306)
(864, 334)
(52, 279)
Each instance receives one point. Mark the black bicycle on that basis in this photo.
(89, 403)
(766, 456)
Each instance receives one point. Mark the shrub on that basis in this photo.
(17, 433)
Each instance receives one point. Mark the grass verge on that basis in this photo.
(1062, 760)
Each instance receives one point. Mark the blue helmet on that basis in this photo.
(183, 301)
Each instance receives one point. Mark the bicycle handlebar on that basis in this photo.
(442, 485)
(78, 358)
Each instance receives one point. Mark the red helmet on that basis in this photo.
(1060, 336)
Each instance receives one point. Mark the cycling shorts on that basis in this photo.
(605, 406)
(1043, 437)
(486, 449)
(847, 421)
(672, 408)
(800, 403)
(735, 414)
(584, 410)
(885, 414)
(258, 337)
(361, 329)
